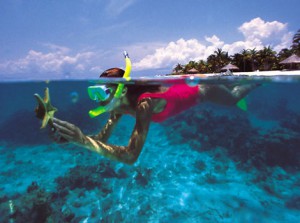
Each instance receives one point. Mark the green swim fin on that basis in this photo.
(242, 104)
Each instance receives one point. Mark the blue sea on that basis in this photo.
(211, 163)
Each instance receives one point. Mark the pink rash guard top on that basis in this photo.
(178, 98)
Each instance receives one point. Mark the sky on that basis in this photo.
(78, 39)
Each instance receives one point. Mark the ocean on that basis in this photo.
(211, 163)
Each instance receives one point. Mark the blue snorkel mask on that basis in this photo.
(102, 93)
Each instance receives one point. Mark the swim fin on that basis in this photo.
(242, 104)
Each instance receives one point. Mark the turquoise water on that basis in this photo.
(210, 164)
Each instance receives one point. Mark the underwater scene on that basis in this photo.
(210, 163)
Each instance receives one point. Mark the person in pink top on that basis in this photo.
(147, 104)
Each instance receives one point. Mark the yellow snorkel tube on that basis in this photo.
(126, 76)
(102, 109)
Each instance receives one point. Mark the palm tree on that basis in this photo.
(253, 53)
(190, 65)
(267, 58)
(237, 59)
(178, 68)
(202, 66)
(282, 55)
(296, 43)
(246, 60)
(245, 56)
(222, 58)
(217, 60)
(212, 63)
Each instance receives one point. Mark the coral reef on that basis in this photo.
(39, 205)
(243, 142)
(89, 177)
(291, 122)
(34, 206)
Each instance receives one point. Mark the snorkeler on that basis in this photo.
(147, 104)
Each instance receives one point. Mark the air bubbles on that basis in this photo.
(74, 96)
(192, 81)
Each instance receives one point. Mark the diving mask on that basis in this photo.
(99, 93)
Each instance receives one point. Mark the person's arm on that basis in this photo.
(127, 154)
(105, 133)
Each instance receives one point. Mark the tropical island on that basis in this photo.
(247, 60)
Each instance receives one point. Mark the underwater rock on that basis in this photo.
(34, 186)
(292, 122)
(88, 177)
(35, 205)
(142, 177)
(281, 148)
(209, 129)
(210, 178)
(293, 203)
(200, 165)
(68, 215)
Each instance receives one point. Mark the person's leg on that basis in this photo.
(220, 94)
(240, 91)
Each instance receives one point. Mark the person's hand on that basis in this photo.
(68, 131)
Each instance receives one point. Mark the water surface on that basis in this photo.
(211, 164)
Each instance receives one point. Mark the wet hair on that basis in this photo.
(113, 72)
(133, 91)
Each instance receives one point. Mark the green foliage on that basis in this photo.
(296, 43)
(247, 60)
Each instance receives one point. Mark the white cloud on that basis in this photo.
(179, 51)
(285, 41)
(257, 34)
(59, 61)
(214, 40)
(259, 29)
(116, 7)
(56, 48)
